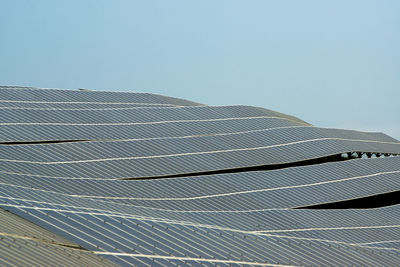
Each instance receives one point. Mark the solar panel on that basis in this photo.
(124, 235)
(173, 156)
(30, 94)
(49, 124)
(21, 133)
(246, 184)
(285, 188)
(38, 105)
(133, 115)
(21, 237)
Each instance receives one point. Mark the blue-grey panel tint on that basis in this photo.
(232, 219)
(285, 188)
(133, 115)
(172, 156)
(52, 95)
(129, 235)
(15, 133)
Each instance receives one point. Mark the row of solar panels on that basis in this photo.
(12, 97)
(48, 125)
(191, 187)
(188, 145)
(285, 188)
(40, 132)
(35, 95)
(173, 156)
(133, 115)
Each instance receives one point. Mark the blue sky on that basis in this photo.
(331, 63)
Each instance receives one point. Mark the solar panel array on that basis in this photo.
(103, 190)
(23, 243)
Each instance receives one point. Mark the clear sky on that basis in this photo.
(331, 63)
